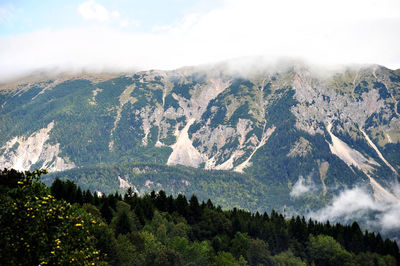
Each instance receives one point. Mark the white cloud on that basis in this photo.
(350, 204)
(115, 14)
(391, 218)
(358, 204)
(302, 187)
(323, 32)
(90, 10)
(3, 13)
(6, 13)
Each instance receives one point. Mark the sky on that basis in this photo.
(127, 35)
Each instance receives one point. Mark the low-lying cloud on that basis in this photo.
(326, 32)
(357, 204)
(302, 187)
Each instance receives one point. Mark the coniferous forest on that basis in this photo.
(62, 224)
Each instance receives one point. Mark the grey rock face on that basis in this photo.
(212, 119)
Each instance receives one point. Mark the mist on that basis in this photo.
(358, 204)
(336, 32)
(302, 186)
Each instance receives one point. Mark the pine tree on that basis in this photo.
(88, 197)
(181, 205)
(195, 210)
(79, 196)
(57, 189)
(210, 205)
(106, 212)
(123, 225)
(161, 201)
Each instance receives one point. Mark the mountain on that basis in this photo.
(258, 139)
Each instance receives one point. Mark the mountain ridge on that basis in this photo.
(277, 124)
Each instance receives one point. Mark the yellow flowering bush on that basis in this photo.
(35, 228)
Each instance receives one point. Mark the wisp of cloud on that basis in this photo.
(302, 187)
(323, 32)
(357, 204)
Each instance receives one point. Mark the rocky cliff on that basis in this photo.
(276, 124)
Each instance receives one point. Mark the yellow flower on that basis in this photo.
(93, 221)
(78, 225)
(53, 252)
(20, 182)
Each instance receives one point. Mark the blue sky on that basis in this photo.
(20, 16)
(125, 35)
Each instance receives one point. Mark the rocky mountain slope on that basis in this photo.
(275, 125)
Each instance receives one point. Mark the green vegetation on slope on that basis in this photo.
(225, 188)
(157, 229)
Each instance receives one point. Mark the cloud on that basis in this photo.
(358, 204)
(6, 13)
(302, 187)
(90, 10)
(324, 32)
(391, 218)
(349, 204)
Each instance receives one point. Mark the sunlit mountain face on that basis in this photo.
(259, 139)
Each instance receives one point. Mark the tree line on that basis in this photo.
(159, 229)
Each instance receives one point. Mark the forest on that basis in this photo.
(63, 224)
